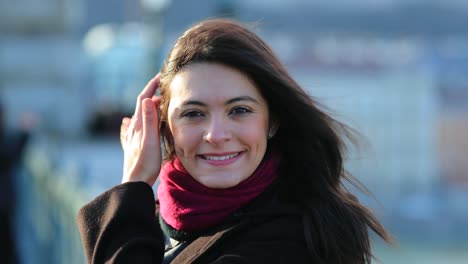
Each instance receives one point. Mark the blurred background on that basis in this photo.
(396, 70)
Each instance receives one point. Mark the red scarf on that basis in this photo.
(189, 206)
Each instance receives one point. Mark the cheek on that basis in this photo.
(186, 140)
(254, 134)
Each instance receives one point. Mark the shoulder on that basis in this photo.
(107, 232)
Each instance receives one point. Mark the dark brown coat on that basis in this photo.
(120, 226)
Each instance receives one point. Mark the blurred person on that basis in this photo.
(106, 120)
(12, 148)
(251, 169)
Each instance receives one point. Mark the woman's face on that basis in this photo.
(219, 122)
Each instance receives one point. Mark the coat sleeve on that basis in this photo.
(120, 226)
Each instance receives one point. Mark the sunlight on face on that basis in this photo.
(219, 122)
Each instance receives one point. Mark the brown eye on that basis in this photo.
(240, 110)
(192, 114)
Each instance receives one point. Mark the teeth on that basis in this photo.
(220, 157)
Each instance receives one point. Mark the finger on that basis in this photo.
(156, 100)
(150, 124)
(148, 92)
(124, 129)
(126, 120)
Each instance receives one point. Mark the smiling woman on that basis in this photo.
(251, 172)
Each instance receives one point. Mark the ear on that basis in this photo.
(274, 126)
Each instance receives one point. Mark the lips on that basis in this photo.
(221, 159)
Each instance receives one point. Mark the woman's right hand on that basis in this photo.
(140, 140)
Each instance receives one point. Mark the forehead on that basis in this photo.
(209, 81)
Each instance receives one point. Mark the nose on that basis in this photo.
(217, 131)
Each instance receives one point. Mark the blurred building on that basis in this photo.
(39, 62)
(45, 69)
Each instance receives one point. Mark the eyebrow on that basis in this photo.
(230, 101)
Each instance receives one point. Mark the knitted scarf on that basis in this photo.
(187, 205)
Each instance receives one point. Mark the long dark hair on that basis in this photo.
(311, 142)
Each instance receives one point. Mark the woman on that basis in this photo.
(252, 169)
